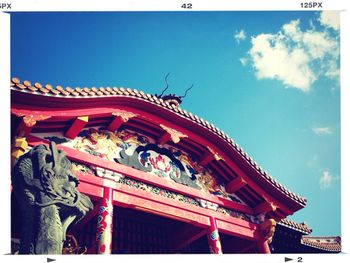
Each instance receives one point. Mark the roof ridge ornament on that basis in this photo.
(172, 99)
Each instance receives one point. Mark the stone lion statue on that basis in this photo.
(49, 202)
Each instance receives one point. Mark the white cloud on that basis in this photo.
(239, 36)
(243, 61)
(295, 57)
(330, 19)
(327, 179)
(322, 130)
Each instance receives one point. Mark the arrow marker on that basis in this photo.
(287, 259)
(50, 260)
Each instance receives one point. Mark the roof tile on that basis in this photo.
(86, 92)
(38, 85)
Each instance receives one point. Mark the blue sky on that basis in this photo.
(268, 79)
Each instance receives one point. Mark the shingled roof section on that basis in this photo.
(48, 90)
(332, 244)
(301, 227)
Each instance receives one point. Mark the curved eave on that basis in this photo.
(37, 99)
(330, 247)
(300, 227)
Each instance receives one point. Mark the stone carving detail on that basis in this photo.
(45, 189)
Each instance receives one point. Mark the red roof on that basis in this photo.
(59, 96)
(332, 244)
(301, 227)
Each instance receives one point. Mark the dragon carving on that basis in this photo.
(45, 189)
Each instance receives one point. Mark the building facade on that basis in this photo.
(161, 180)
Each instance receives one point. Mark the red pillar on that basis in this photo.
(104, 223)
(264, 247)
(214, 238)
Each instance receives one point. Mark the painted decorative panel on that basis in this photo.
(141, 152)
(81, 169)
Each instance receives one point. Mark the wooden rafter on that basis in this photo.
(78, 124)
(235, 185)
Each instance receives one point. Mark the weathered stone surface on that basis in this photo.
(45, 188)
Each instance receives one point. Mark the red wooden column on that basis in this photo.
(214, 238)
(264, 248)
(104, 223)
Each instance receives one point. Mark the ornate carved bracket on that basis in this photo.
(265, 207)
(267, 229)
(120, 118)
(209, 156)
(28, 122)
(125, 116)
(172, 134)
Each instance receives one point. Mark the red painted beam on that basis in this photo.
(257, 188)
(156, 114)
(28, 122)
(235, 185)
(121, 117)
(94, 191)
(145, 201)
(78, 124)
(249, 232)
(164, 138)
(115, 124)
(264, 207)
(165, 209)
(126, 196)
(142, 176)
(206, 158)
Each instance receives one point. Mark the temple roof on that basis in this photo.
(301, 227)
(48, 91)
(332, 244)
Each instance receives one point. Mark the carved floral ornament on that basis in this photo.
(217, 157)
(31, 119)
(174, 134)
(125, 116)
